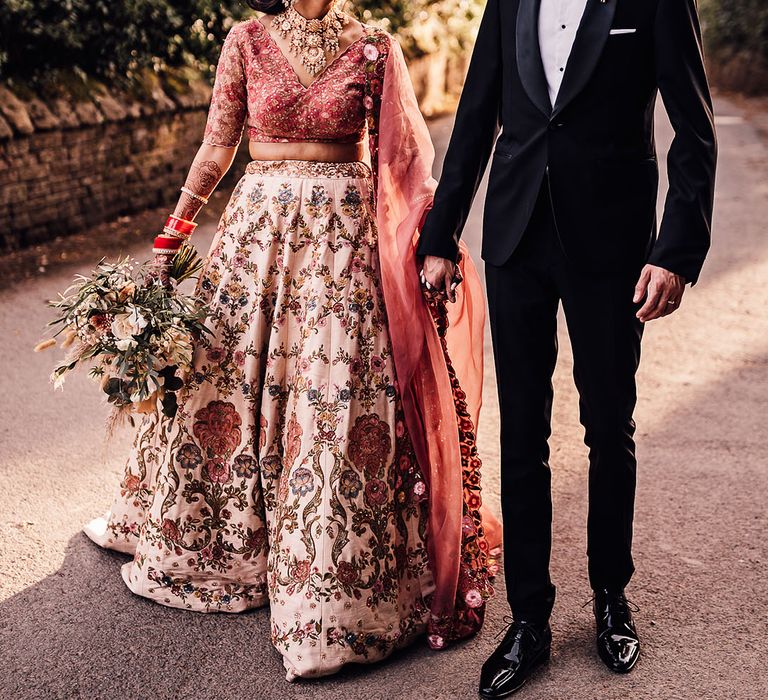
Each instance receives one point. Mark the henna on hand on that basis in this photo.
(439, 274)
(163, 259)
(203, 177)
(161, 269)
(202, 180)
(187, 207)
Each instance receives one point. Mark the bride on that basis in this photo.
(322, 459)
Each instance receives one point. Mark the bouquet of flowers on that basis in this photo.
(135, 332)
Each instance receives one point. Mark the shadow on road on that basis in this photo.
(81, 633)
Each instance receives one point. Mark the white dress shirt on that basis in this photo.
(558, 22)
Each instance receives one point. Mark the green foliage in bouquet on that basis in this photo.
(185, 264)
(136, 334)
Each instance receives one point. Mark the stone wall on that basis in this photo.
(66, 166)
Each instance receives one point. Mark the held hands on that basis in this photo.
(663, 292)
(439, 274)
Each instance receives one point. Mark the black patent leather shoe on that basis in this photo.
(617, 641)
(524, 647)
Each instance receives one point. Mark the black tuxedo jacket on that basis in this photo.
(594, 148)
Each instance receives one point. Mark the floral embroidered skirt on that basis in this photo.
(287, 476)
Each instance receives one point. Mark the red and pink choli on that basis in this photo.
(258, 88)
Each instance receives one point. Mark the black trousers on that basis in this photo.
(523, 299)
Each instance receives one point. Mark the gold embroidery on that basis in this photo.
(308, 168)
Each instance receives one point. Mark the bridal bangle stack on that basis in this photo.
(175, 232)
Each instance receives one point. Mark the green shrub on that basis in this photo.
(110, 40)
(118, 40)
(736, 43)
(736, 26)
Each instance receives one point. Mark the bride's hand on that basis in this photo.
(438, 274)
(160, 270)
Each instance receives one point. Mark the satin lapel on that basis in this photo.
(587, 46)
(529, 63)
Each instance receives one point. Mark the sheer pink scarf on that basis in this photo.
(404, 193)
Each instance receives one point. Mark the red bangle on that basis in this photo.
(163, 244)
(180, 225)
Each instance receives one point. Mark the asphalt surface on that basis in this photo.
(70, 629)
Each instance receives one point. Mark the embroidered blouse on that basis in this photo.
(256, 86)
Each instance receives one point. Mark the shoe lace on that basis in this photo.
(509, 622)
(633, 607)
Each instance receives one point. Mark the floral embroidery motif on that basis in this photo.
(369, 444)
(302, 482)
(376, 52)
(217, 427)
(287, 476)
(350, 484)
(186, 590)
(309, 169)
(245, 466)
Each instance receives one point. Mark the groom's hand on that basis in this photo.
(438, 274)
(662, 290)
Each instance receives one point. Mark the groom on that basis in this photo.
(570, 217)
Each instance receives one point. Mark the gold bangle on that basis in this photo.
(183, 221)
(173, 233)
(194, 195)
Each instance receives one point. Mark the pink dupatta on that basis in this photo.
(438, 351)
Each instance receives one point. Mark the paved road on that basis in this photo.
(69, 628)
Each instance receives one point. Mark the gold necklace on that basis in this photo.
(312, 39)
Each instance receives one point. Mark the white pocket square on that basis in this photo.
(623, 31)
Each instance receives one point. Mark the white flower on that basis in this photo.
(58, 380)
(128, 324)
(121, 327)
(138, 320)
(125, 344)
(175, 345)
(473, 598)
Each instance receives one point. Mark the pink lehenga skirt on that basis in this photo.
(287, 477)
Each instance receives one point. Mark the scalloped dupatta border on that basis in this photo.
(438, 351)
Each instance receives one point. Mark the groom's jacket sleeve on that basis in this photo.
(474, 133)
(684, 234)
